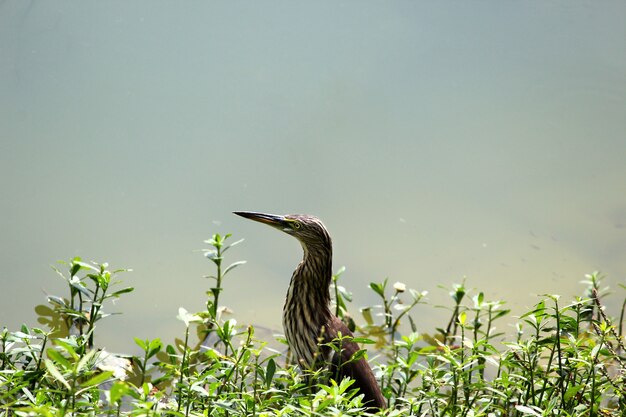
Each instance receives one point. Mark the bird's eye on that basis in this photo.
(296, 225)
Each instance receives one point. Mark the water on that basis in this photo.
(436, 141)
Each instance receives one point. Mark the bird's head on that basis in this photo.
(309, 230)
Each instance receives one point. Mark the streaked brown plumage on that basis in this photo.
(306, 315)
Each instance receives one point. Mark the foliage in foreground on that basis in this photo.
(566, 359)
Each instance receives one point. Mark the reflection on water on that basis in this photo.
(51, 320)
(435, 141)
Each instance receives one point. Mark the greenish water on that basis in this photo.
(436, 141)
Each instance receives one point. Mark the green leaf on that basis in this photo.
(122, 291)
(338, 273)
(224, 249)
(84, 361)
(69, 345)
(501, 313)
(197, 387)
(118, 390)
(59, 359)
(232, 266)
(378, 289)
(154, 347)
(345, 293)
(363, 340)
(417, 295)
(84, 264)
(56, 374)
(358, 355)
(367, 315)
(24, 333)
(527, 410)
(573, 390)
(187, 317)
(141, 343)
(462, 318)
(53, 299)
(79, 286)
(97, 379)
(479, 299)
(38, 331)
(269, 372)
(227, 331)
(458, 293)
(171, 352)
(74, 268)
(538, 312)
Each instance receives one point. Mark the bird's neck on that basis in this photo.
(315, 273)
(309, 289)
(307, 306)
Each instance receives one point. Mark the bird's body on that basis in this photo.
(310, 327)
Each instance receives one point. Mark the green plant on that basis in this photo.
(89, 285)
(64, 377)
(565, 359)
(216, 255)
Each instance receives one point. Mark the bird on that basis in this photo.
(310, 326)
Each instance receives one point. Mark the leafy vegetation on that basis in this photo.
(566, 359)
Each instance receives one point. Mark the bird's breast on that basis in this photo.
(303, 328)
(306, 310)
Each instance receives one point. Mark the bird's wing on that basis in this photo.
(359, 370)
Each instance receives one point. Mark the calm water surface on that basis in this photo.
(438, 141)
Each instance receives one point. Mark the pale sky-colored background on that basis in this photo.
(436, 140)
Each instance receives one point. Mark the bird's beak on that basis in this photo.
(274, 220)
